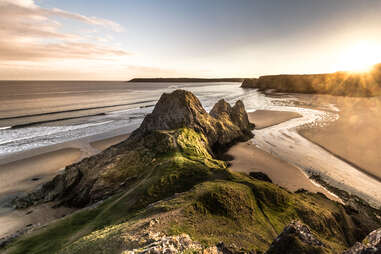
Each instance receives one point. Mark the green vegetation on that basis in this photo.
(181, 185)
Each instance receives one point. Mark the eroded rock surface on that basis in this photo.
(296, 238)
(370, 245)
(223, 126)
(102, 175)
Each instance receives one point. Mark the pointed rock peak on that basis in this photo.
(240, 117)
(220, 108)
(236, 114)
(175, 110)
(182, 109)
(296, 238)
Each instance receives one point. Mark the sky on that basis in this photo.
(123, 39)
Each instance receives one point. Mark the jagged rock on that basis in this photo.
(250, 83)
(169, 245)
(102, 175)
(260, 176)
(236, 114)
(296, 238)
(222, 127)
(370, 245)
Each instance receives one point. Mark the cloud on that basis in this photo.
(29, 32)
(64, 50)
(89, 20)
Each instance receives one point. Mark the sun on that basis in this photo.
(360, 57)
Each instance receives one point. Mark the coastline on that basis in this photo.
(344, 134)
(20, 219)
(27, 174)
(247, 157)
(34, 168)
(354, 137)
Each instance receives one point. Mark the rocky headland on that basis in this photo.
(166, 189)
(188, 80)
(339, 83)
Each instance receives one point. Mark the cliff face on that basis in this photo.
(340, 83)
(188, 80)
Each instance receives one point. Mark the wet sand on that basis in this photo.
(249, 158)
(25, 175)
(26, 219)
(267, 118)
(355, 136)
(35, 168)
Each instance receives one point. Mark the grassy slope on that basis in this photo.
(214, 205)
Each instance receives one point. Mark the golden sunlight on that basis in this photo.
(360, 57)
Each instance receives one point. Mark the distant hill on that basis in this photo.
(339, 83)
(189, 80)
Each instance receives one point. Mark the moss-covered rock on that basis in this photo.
(121, 166)
(171, 177)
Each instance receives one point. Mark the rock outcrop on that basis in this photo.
(222, 127)
(296, 238)
(370, 245)
(339, 83)
(100, 176)
(168, 193)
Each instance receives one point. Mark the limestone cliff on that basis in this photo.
(339, 83)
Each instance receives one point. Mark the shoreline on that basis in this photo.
(330, 164)
(300, 132)
(49, 161)
(245, 155)
(282, 172)
(28, 173)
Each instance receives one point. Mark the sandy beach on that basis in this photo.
(35, 168)
(267, 118)
(22, 176)
(25, 175)
(249, 158)
(28, 173)
(355, 136)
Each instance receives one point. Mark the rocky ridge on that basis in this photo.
(165, 183)
(100, 176)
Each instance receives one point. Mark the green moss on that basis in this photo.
(214, 204)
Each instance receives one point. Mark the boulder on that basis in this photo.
(370, 245)
(296, 238)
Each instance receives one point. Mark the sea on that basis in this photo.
(36, 114)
